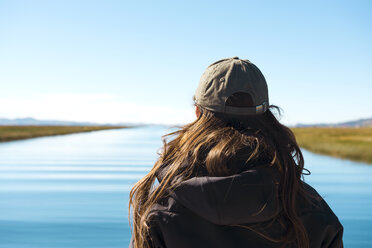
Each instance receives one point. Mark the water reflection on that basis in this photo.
(72, 191)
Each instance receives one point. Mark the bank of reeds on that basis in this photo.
(349, 143)
(9, 133)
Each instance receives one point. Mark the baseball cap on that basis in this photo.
(229, 76)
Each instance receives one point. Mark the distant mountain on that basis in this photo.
(35, 122)
(356, 123)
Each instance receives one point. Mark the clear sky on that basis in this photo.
(140, 61)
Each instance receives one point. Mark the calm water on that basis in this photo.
(72, 190)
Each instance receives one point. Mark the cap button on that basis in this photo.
(235, 57)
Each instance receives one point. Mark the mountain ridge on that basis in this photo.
(29, 121)
(365, 122)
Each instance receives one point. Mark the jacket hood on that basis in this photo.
(247, 197)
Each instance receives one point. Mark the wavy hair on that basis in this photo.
(215, 142)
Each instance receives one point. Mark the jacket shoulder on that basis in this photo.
(159, 217)
(324, 227)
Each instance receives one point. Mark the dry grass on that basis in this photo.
(349, 143)
(9, 133)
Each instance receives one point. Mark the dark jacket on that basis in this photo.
(235, 211)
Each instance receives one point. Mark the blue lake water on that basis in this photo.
(72, 190)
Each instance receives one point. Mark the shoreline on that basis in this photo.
(354, 144)
(14, 133)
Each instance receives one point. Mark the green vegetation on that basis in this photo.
(349, 143)
(8, 133)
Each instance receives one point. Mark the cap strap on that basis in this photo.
(246, 110)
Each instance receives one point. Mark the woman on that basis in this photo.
(233, 177)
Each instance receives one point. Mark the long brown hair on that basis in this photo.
(215, 142)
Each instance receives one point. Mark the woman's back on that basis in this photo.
(231, 178)
(236, 211)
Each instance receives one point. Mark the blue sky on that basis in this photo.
(140, 61)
